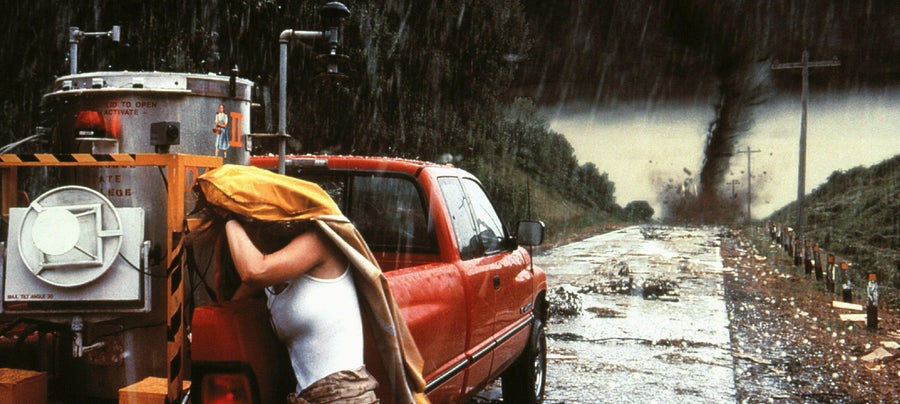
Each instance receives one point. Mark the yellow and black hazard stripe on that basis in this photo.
(45, 158)
(175, 324)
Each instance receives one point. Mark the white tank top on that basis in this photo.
(320, 323)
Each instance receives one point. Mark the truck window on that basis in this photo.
(461, 218)
(490, 229)
(389, 211)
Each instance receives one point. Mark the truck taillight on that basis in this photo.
(226, 388)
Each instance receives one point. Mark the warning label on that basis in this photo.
(128, 107)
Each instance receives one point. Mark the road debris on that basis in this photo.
(890, 344)
(878, 355)
(654, 233)
(752, 358)
(659, 289)
(849, 306)
(558, 357)
(853, 317)
(563, 303)
(604, 312)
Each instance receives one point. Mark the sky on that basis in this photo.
(639, 146)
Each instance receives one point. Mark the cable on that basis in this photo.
(136, 327)
(42, 323)
(13, 145)
(136, 268)
(163, 175)
(202, 276)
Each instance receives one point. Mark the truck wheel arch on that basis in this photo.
(525, 381)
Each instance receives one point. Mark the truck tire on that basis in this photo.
(524, 381)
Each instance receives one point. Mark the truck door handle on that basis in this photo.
(496, 281)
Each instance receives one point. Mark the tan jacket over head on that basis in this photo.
(263, 195)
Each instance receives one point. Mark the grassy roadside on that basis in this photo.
(856, 216)
(790, 344)
(567, 221)
(888, 295)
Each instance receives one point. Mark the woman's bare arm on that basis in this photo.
(308, 252)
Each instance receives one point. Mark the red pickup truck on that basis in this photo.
(469, 293)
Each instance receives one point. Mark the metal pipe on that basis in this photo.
(283, 39)
(289, 34)
(282, 102)
(77, 343)
(75, 36)
(73, 50)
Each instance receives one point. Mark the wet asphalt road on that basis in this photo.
(625, 348)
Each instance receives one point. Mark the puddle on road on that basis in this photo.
(672, 346)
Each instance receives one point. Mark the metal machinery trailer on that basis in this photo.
(77, 292)
(91, 227)
(91, 265)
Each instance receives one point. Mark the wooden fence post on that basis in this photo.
(817, 262)
(848, 287)
(807, 258)
(831, 273)
(872, 302)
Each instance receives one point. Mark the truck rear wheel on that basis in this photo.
(524, 381)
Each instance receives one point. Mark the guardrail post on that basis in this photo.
(807, 258)
(847, 292)
(872, 302)
(788, 242)
(831, 273)
(817, 262)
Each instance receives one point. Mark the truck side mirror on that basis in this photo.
(530, 232)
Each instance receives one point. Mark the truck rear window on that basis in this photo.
(389, 211)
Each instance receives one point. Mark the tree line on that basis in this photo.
(426, 80)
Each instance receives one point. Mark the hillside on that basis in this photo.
(856, 215)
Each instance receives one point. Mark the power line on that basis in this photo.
(804, 64)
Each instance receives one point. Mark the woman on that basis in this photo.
(286, 237)
(221, 131)
(314, 309)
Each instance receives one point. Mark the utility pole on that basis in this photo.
(749, 183)
(804, 64)
(733, 192)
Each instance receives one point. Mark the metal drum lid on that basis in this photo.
(70, 236)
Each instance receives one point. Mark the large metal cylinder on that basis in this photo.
(113, 112)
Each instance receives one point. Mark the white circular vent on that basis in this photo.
(70, 236)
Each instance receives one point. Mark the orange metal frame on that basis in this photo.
(176, 166)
